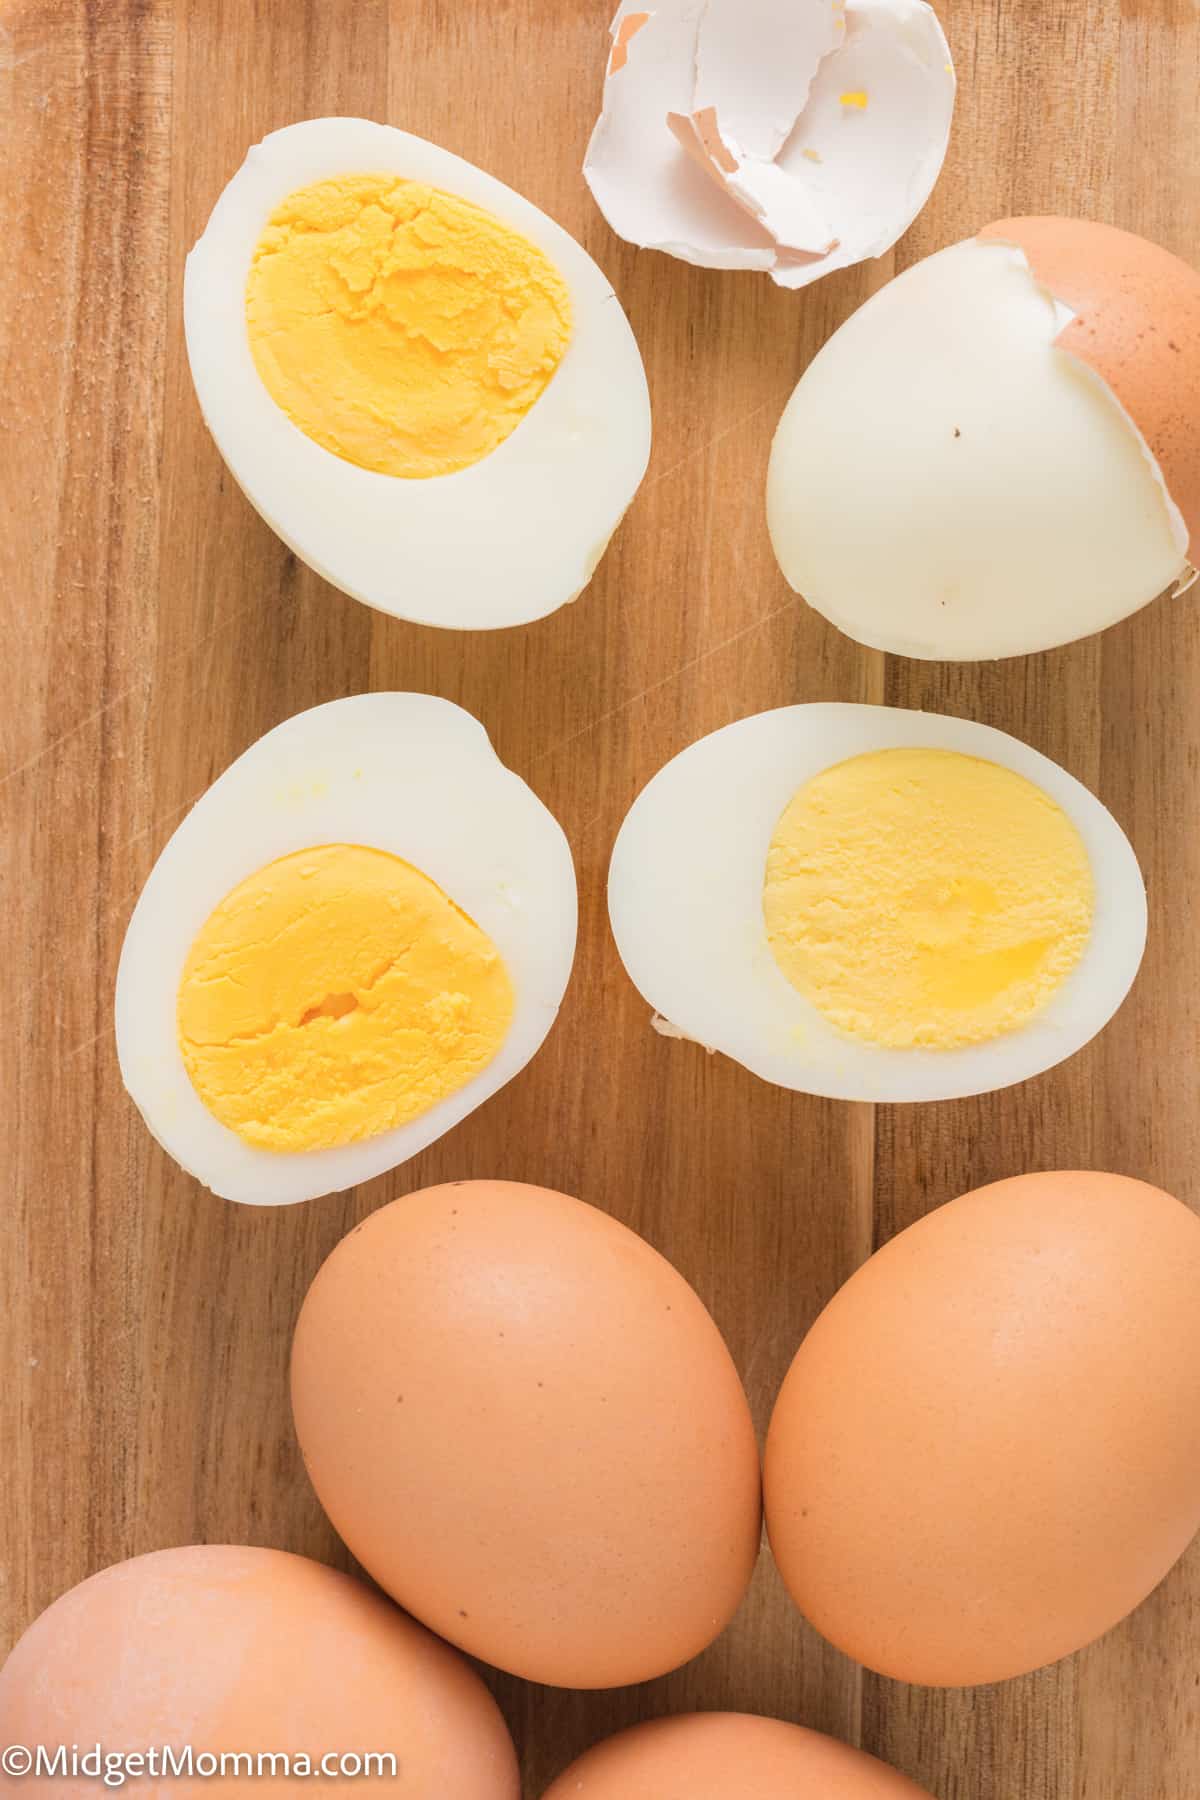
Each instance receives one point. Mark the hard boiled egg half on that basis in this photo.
(424, 385)
(875, 904)
(1000, 451)
(359, 933)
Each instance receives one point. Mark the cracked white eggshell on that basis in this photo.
(744, 108)
(503, 542)
(761, 165)
(947, 482)
(685, 897)
(406, 773)
(873, 169)
(651, 192)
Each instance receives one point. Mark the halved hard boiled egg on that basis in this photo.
(360, 933)
(874, 904)
(999, 451)
(424, 385)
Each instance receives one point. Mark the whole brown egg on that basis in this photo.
(217, 1651)
(987, 1449)
(716, 1756)
(525, 1425)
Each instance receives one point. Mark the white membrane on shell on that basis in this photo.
(758, 99)
(752, 94)
(650, 191)
(873, 167)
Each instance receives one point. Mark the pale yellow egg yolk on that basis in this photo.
(920, 897)
(334, 995)
(402, 328)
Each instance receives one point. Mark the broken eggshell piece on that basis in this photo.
(1135, 321)
(754, 134)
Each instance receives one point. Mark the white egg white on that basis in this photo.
(946, 482)
(406, 773)
(500, 543)
(685, 896)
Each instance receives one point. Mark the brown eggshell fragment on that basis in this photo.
(987, 1450)
(228, 1650)
(717, 1756)
(527, 1428)
(1137, 324)
(625, 29)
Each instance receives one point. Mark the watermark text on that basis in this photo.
(113, 1768)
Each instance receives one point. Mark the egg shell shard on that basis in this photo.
(501, 543)
(685, 897)
(987, 1450)
(782, 206)
(407, 773)
(527, 1427)
(821, 130)
(236, 1650)
(652, 192)
(744, 111)
(715, 1756)
(755, 99)
(623, 30)
(872, 140)
(1136, 322)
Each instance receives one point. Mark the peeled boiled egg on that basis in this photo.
(360, 933)
(794, 138)
(528, 1430)
(998, 452)
(987, 1450)
(423, 384)
(221, 1652)
(715, 1756)
(876, 904)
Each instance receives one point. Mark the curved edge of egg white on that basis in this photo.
(737, 797)
(196, 869)
(512, 524)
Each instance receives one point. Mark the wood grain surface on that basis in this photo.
(155, 627)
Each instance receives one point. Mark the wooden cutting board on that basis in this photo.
(155, 627)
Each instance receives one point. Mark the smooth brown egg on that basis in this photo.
(525, 1425)
(987, 1449)
(233, 1650)
(720, 1756)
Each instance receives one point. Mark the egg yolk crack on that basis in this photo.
(334, 995)
(400, 327)
(923, 898)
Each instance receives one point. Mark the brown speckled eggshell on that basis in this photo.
(528, 1429)
(728, 1756)
(1137, 325)
(987, 1449)
(230, 1649)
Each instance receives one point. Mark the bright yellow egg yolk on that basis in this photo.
(334, 995)
(400, 327)
(923, 898)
